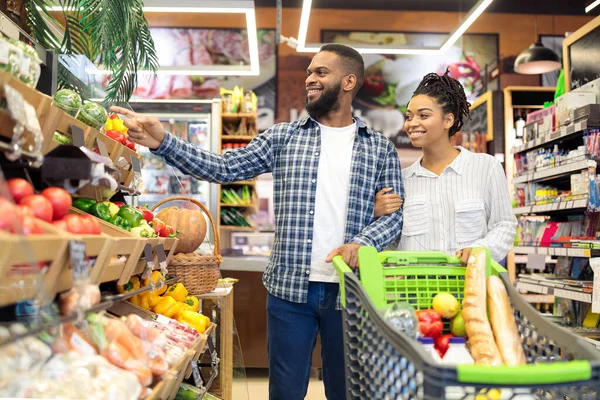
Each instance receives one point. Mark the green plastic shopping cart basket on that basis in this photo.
(382, 363)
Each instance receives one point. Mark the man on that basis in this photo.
(326, 170)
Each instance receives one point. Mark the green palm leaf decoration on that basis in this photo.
(112, 33)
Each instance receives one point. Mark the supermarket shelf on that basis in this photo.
(552, 207)
(538, 298)
(555, 251)
(529, 107)
(238, 228)
(563, 293)
(239, 115)
(237, 137)
(252, 205)
(158, 197)
(550, 173)
(522, 259)
(562, 133)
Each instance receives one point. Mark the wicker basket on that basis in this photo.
(198, 273)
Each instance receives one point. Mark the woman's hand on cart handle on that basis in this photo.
(145, 131)
(349, 253)
(386, 202)
(464, 255)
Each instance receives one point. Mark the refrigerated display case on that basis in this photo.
(197, 122)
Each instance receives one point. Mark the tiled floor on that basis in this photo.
(256, 387)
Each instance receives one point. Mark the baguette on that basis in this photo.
(481, 338)
(504, 324)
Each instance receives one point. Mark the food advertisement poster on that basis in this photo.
(390, 80)
(185, 47)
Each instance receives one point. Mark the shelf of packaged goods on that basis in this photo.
(554, 172)
(522, 259)
(539, 298)
(238, 138)
(155, 197)
(565, 132)
(564, 292)
(237, 228)
(239, 115)
(556, 251)
(560, 206)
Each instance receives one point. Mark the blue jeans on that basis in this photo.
(291, 336)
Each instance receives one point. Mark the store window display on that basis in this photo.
(455, 199)
(327, 168)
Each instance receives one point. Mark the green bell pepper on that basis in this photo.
(120, 222)
(83, 204)
(132, 215)
(101, 211)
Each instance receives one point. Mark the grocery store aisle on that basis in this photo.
(258, 387)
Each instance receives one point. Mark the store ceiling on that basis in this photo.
(555, 7)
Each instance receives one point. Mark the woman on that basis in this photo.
(455, 199)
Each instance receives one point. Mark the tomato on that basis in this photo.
(41, 206)
(31, 227)
(91, 224)
(61, 224)
(60, 200)
(19, 188)
(442, 343)
(75, 224)
(7, 216)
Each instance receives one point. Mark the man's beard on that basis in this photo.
(327, 102)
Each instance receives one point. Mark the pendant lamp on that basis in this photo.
(537, 59)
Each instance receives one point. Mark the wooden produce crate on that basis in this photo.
(64, 123)
(125, 244)
(116, 151)
(27, 282)
(180, 368)
(40, 102)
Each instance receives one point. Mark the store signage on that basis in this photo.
(78, 263)
(102, 149)
(149, 261)
(161, 258)
(77, 136)
(135, 165)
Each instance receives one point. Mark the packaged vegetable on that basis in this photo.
(92, 114)
(68, 100)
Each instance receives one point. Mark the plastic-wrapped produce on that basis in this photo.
(68, 100)
(401, 316)
(93, 114)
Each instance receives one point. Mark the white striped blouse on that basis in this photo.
(468, 205)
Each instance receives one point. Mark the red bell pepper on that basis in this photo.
(430, 323)
(168, 231)
(118, 203)
(130, 145)
(113, 116)
(158, 226)
(148, 216)
(116, 135)
(442, 343)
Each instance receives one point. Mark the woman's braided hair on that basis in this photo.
(450, 94)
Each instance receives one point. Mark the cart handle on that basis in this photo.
(530, 374)
(342, 268)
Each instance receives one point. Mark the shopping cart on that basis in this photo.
(383, 364)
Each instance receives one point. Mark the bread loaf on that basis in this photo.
(479, 332)
(503, 323)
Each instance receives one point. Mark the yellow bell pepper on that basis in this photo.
(109, 126)
(112, 207)
(166, 306)
(153, 299)
(117, 125)
(177, 291)
(193, 302)
(132, 284)
(182, 307)
(194, 320)
(135, 300)
(144, 301)
(155, 277)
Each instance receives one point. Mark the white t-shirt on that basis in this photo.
(331, 199)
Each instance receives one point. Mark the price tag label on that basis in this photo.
(78, 136)
(196, 373)
(102, 148)
(78, 262)
(135, 165)
(562, 205)
(554, 206)
(149, 261)
(570, 204)
(561, 252)
(551, 251)
(161, 258)
(542, 250)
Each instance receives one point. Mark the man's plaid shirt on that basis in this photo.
(291, 152)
